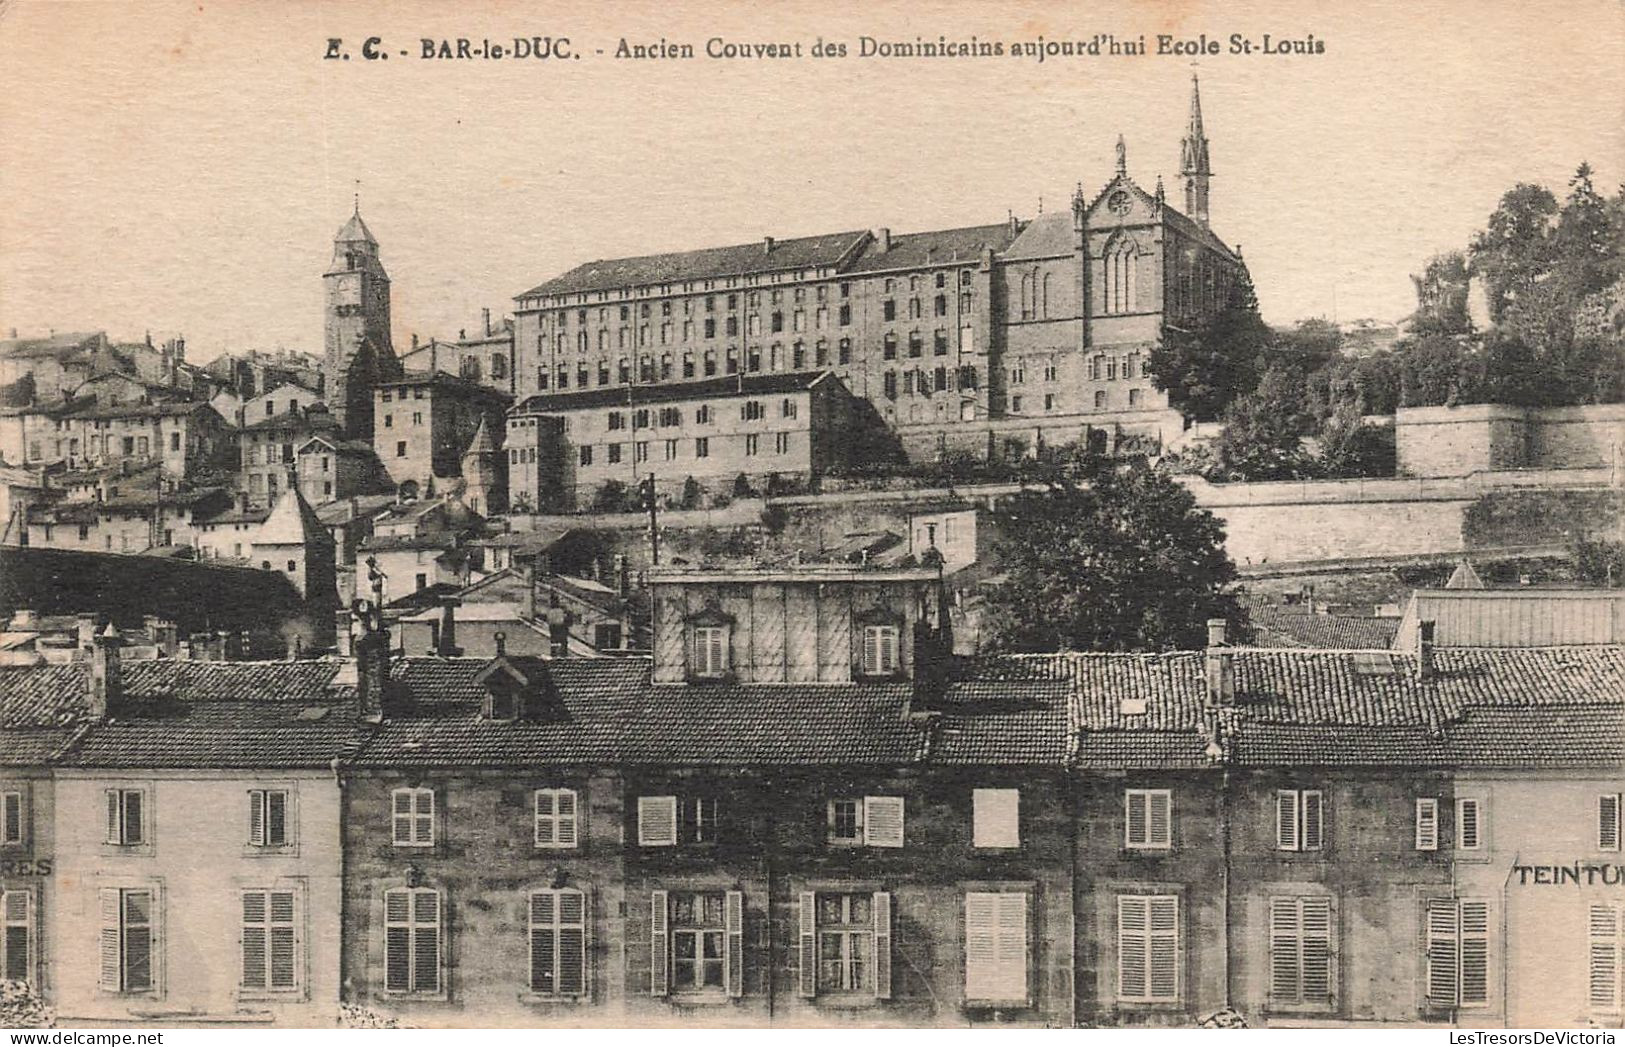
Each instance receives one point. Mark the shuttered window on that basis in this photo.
(1608, 822)
(1301, 950)
(1605, 957)
(1147, 948)
(129, 939)
(1299, 820)
(17, 936)
(879, 650)
(11, 818)
(1457, 952)
(270, 938)
(883, 821)
(413, 815)
(558, 943)
(268, 818)
(1427, 824)
(1148, 819)
(126, 817)
(845, 944)
(697, 942)
(996, 817)
(556, 818)
(657, 821)
(996, 947)
(412, 940)
(1469, 824)
(710, 650)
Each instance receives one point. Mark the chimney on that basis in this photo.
(485, 318)
(1221, 665)
(558, 632)
(447, 647)
(343, 623)
(372, 666)
(767, 245)
(168, 637)
(1424, 649)
(529, 609)
(883, 239)
(296, 647)
(85, 624)
(623, 577)
(217, 646)
(414, 339)
(462, 334)
(105, 684)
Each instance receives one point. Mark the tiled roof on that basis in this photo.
(42, 695)
(914, 250)
(705, 264)
(1284, 628)
(1002, 722)
(642, 395)
(140, 410)
(296, 418)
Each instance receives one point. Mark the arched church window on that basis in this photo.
(1121, 277)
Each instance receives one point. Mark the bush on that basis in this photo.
(775, 518)
(609, 498)
(354, 1016)
(1600, 562)
(21, 1008)
(742, 487)
(691, 494)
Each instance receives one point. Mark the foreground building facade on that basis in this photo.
(802, 810)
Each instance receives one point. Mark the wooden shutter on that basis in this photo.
(807, 979)
(871, 650)
(11, 818)
(133, 827)
(113, 821)
(1608, 822)
(112, 933)
(1469, 833)
(401, 816)
(256, 819)
(1316, 929)
(659, 945)
(543, 920)
(1133, 946)
(544, 819)
(423, 816)
(426, 917)
(1160, 816)
(16, 914)
(657, 821)
(276, 818)
(1011, 939)
(733, 949)
(284, 941)
(564, 806)
(1164, 911)
(254, 935)
(1286, 820)
(398, 941)
(1427, 824)
(1475, 952)
(1606, 940)
(572, 943)
(1443, 959)
(1135, 818)
(1285, 981)
(1312, 822)
(882, 913)
(883, 821)
(140, 939)
(981, 952)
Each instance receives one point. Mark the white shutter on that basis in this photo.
(1286, 983)
(1136, 818)
(1443, 959)
(1286, 820)
(1133, 946)
(881, 905)
(255, 940)
(11, 817)
(426, 916)
(256, 818)
(284, 945)
(276, 818)
(401, 817)
(807, 981)
(871, 650)
(1427, 824)
(1312, 822)
(397, 940)
(733, 949)
(1606, 940)
(1608, 822)
(1469, 831)
(657, 821)
(1165, 947)
(1011, 943)
(996, 817)
(1316, 928)
(113, 834)
(1475, 953)
(423, 817)
(659, 945)
(16, 946)
(883, 821)
(564, 803)
(112, 935)
(1160, 811)
(571, 943)
(981, 949)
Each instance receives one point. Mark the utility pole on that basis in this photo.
(649, 503)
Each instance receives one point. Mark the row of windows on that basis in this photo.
(614, 453)
(753, 300)
(651, 370)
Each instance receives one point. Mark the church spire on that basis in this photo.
(1193, 159)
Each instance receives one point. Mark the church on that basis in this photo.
(993, 340)
(357, 350)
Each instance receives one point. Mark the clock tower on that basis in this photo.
(357, 352)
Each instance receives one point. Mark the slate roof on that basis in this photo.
(708, 263)
(938, 247)
(643, 395)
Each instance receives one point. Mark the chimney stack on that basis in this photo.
(623, 577)
(485, 318)
(883, 239)
(447, 646)
(296, 647)
(529, 608)
(372, 665)
(1221, 665)
(1424, 649)
(106, 685)
(86, 627)
(558, 632)
(767, 245)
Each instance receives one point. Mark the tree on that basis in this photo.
(1203, 370)
(1441, 296)
(1515, 250)
(742, 487)
(1127, 563)
(1599, 561)
(691, 493)
(1350, 448)
(1263, 430)
(611, 498)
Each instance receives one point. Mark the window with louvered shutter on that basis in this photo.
(16, 936)
(1286, 820)
(1300, 820)
(558, 943)
(657, 821)
(1469, 823)
(733, 910)
(1147, 948)
(556, 818)
(269, 940)
(883, 821)
(11, 818)
(126, 814)
(710, 650)
(268, 818)
(880, 646)
(1147, 819)
(412, 940)
(659, 944)
(1301, 950)
(1605, 958)
(1608, 812)
(1458, 952)
(882, 913)
(807, 945)
(1312, 821)
(413, 814)
(1427, 824)
(996, 947)
(996, 818)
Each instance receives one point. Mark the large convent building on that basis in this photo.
(988, 340)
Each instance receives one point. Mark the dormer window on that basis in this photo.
(710, 651)
(880, 645)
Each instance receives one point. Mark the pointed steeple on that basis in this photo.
(1122, 156)
(1193, 159)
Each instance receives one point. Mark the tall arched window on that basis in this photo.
(1026, 296)
(1043, 300)
(1121, 278)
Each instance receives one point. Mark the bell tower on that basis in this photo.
(1193, 160)
(357, 350)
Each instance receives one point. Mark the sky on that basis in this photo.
(182, 167)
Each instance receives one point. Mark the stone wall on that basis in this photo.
(1457, 441)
